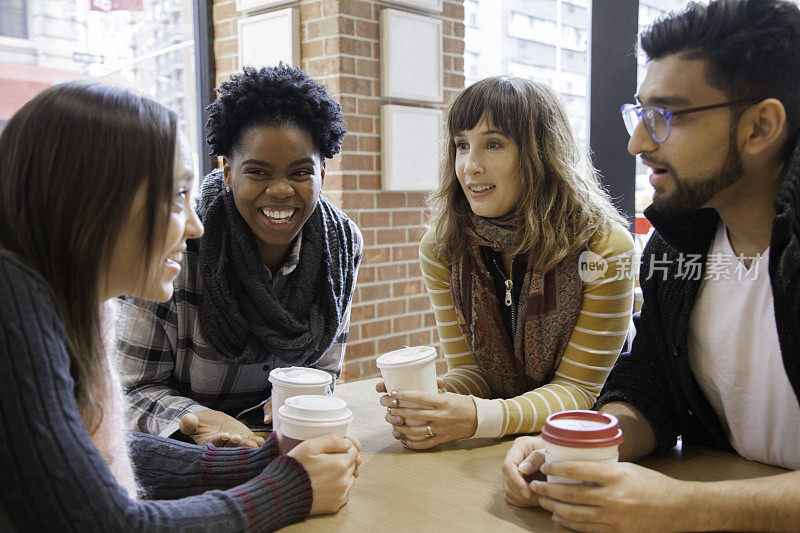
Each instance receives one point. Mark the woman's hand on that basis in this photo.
(386, 400)
(521, 465)
(332, 465)
(219, 429)
(452, 417)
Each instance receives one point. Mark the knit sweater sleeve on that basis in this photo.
(168, 469)
(640, 376)
(54, 477)
(595, 343)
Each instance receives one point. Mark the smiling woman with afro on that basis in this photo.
(268, 285)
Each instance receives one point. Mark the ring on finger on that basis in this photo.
(430, 431)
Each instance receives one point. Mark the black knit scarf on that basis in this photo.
(240, 315)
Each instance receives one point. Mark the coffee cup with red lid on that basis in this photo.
(581, 436)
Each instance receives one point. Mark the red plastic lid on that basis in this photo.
(582, 429)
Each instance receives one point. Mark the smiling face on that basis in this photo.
(487, 167)
(700, 158)
(126, 269)
(276, 175)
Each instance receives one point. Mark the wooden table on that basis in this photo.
(459, 486)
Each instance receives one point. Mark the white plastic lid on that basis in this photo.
(315, 410)
(299, 375)
(413, 355)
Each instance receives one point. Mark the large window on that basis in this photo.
(542, 40)
(145, 45)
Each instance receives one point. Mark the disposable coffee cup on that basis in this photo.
(305, 417)
(411, 369)
(295, 381)
(580, 436)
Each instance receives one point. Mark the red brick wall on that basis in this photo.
(340, 48)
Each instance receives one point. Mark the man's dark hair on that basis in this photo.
(751, 49)
(274, 96)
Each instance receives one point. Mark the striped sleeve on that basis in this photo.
(594, 345)
(463, 375)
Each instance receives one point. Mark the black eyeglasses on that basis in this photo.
(657, 119)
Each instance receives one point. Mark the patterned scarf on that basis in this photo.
(240, 314)
(547, 310)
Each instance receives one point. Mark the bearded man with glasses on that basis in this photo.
(716, 357)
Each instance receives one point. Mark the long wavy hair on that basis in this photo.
(71, 161)
(562, 204)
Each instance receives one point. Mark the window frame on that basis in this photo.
(205, 74)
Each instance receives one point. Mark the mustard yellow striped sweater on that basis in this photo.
(593, 347)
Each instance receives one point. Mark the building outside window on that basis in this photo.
(541, 40)
(144, 45)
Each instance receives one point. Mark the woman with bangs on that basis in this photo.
(528, 267)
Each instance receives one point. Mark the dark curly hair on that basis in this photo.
(750, 48)
(274, 96)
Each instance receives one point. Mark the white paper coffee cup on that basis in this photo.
(309, 416)
(580, 436)
(295, 381)
(410, 368)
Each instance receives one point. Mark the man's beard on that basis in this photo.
(695, 193)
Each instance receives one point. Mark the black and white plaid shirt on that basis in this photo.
(168, 369)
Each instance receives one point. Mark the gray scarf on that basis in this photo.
(240, 314)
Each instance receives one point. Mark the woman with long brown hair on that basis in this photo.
(94, 203)
(525, 263)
